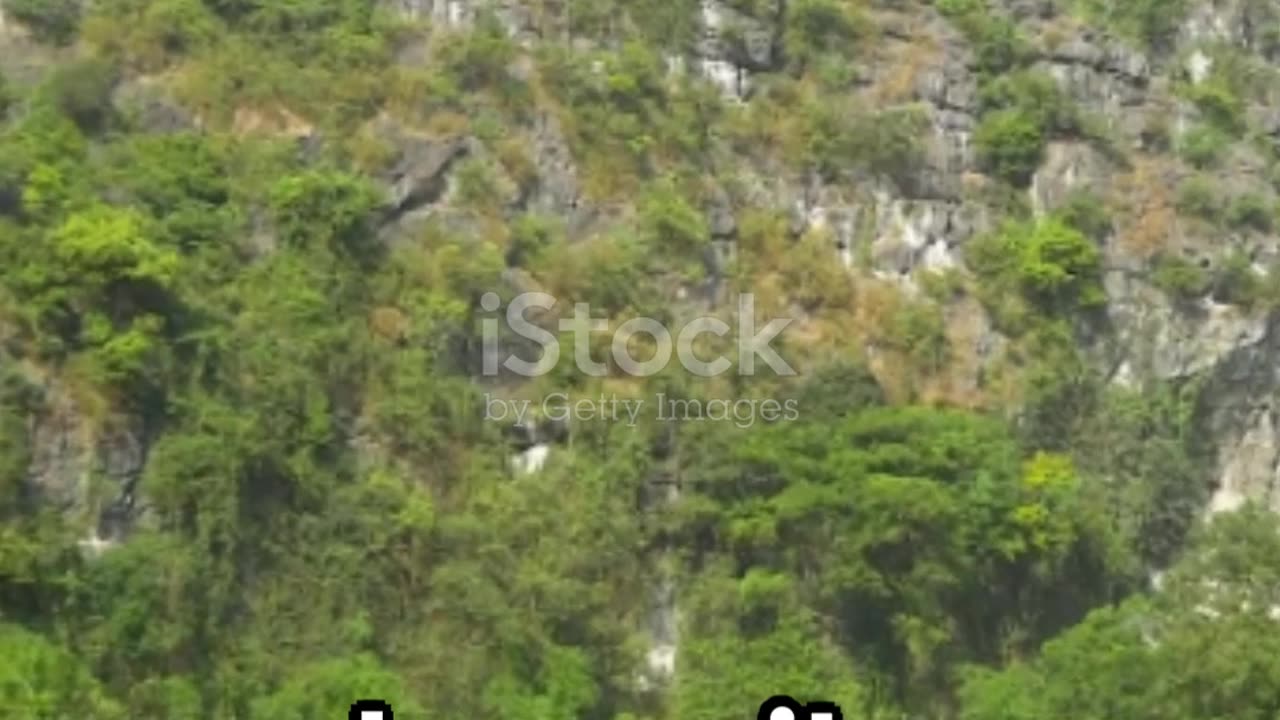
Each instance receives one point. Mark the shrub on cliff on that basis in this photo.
(1010, 145)
(1152, 22)
(1049, 263)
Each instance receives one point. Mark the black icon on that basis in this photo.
(370, 710)
(781, 707)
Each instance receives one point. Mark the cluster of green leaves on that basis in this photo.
(1047, 263)
(1203, 145)
(1132, 660)
(41, 680)
(1020, 113)
(920, 330)
(132, 268)
(627, 120)
(924, 538)
(821, 32)
(1086, 212)
(1221, 97)
(1150, 22)
(1140, 447)
(1180, 277)
(1237, 283)
(1198, 198)
(664, 24)
(1232, 279)
(321, 58)
(998, 44)
(474, 61)
(91, 277)
(887, 144)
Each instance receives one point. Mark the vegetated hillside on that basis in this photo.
(1029, 248)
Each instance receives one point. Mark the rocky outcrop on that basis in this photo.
(1241, 403)
(732, 45)
(1109, 79)
(557, 190)
(515, 16)
(1069, 167)
(418, 176)
(918, 235)
(154, 110)
(450, 12)
(87, 469)
(892, 228)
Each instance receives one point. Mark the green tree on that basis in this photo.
(1048, 263)
(316, 690)
(723, 676)
(818, 27)
(919, 534)
(326, 208)
(81, 90)
(40, 681)
(1131, 661)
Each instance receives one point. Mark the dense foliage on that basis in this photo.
(325, 514)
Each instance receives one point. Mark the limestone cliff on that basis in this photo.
(1140, 104)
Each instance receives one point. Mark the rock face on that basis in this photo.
(460, 14)
(732, 44)
(922, 222)
(452, 12)
(87, 470)
(890, 228)
(1068, 167)
(557, 190)
(1242, 402)
(152, 108)
(418, 176)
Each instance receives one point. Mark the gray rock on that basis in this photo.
(949, 87)
(417, 177)
(87, 471)
(1128, 63)
(557, 188)
(514, 15)
(797, 220)
(914, 234)
(151, 108)
(753, 40)
(1068, 167)
(121, 459)
(732, 45)
(1079, 51)
(1241, 400)
(720, 217)
(61, 459)
(1266, 118)
(757, 50)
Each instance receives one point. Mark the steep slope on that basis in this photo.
(250, 464)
